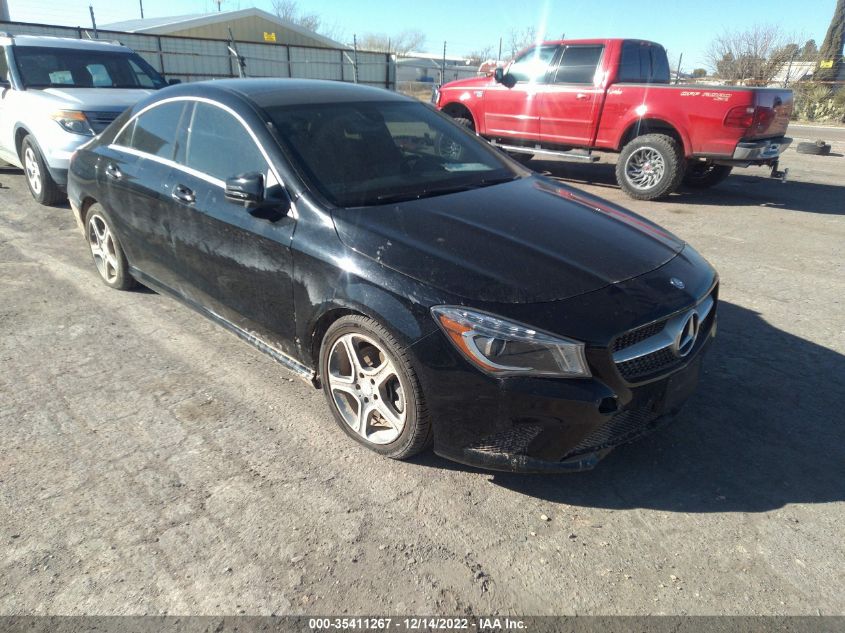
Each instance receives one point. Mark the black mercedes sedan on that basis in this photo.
(436, 290)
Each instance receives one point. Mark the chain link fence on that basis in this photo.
(197, 59)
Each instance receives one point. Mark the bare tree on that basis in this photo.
(521, 38)
(289, 10)
(400, 43)
(481, 55)
(752, 56)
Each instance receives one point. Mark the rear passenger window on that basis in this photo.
(156, 130)
(578, 65)
(125, 136)
(643, 62)
(218, 145)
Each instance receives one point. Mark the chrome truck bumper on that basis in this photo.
(761, 151)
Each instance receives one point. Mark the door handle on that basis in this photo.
(112, 171)
(582, 95)
(184, 194)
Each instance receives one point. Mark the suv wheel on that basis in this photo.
(650, 167)
(372, 388)
(41, 184)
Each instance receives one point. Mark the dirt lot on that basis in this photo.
(150, 462)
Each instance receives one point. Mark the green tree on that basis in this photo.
(831, 50)
(810, 50)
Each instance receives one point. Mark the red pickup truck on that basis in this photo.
(568, 98)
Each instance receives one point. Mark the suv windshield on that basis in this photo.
(48, 67)
(369, 153)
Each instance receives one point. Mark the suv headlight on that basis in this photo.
(73, 121)
(504, 348)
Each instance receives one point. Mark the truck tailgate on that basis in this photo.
(779, 102)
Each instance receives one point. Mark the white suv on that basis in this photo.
(55, 94)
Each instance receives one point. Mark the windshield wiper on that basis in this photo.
(442, 191)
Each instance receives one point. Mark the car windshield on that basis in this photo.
(370, 153)
(50, 67)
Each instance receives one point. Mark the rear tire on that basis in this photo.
(363, 368)
(701, 174)
(106, 250)
(38, 179)
(650, 167)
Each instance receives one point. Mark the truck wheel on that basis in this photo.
(701, 174)
(464, 122)
(650, 167)
(41, 184)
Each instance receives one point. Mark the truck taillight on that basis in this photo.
(755, 119)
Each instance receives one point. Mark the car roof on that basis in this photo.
(280, 92)
(67, 42)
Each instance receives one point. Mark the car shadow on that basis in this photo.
(742, 188)
(763, 430)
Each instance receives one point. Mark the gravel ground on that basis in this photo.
(150, 462)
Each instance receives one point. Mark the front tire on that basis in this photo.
(372, 389)
(702, 174)
(41, 184)
(106, 250)
(650, 167)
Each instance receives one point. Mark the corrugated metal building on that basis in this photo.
(248, 25)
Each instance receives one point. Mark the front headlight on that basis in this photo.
(504, 348)
(73, 121)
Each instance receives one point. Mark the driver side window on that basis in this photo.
(533, 64)
(4, 68)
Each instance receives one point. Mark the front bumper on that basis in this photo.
(525, 424)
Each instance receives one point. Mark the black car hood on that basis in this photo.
(525, 241)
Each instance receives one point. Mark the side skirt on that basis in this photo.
(303, 372)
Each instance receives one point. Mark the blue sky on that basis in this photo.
(683, 26)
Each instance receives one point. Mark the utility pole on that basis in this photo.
(355, 61)
(499, 58)
(142, 8)
(4, 11)
(678, 73)
(93, 21)
(443, 67)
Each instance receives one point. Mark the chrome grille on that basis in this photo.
(99, 121)
(648, 364)
(635, 336)
(656, 348)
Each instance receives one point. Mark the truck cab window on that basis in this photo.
(643, 62)
(578, 65)
(533, 64)
(4, 67)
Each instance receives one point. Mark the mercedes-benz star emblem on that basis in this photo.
(680, 285)
(685, 340)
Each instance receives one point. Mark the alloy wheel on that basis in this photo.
(32, 169)
(645, 168)
(103, 249)
(366, 388)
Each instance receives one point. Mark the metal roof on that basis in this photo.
(169, 24)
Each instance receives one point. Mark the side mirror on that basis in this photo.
(245, 189)
(173, 82)
(507, 80)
